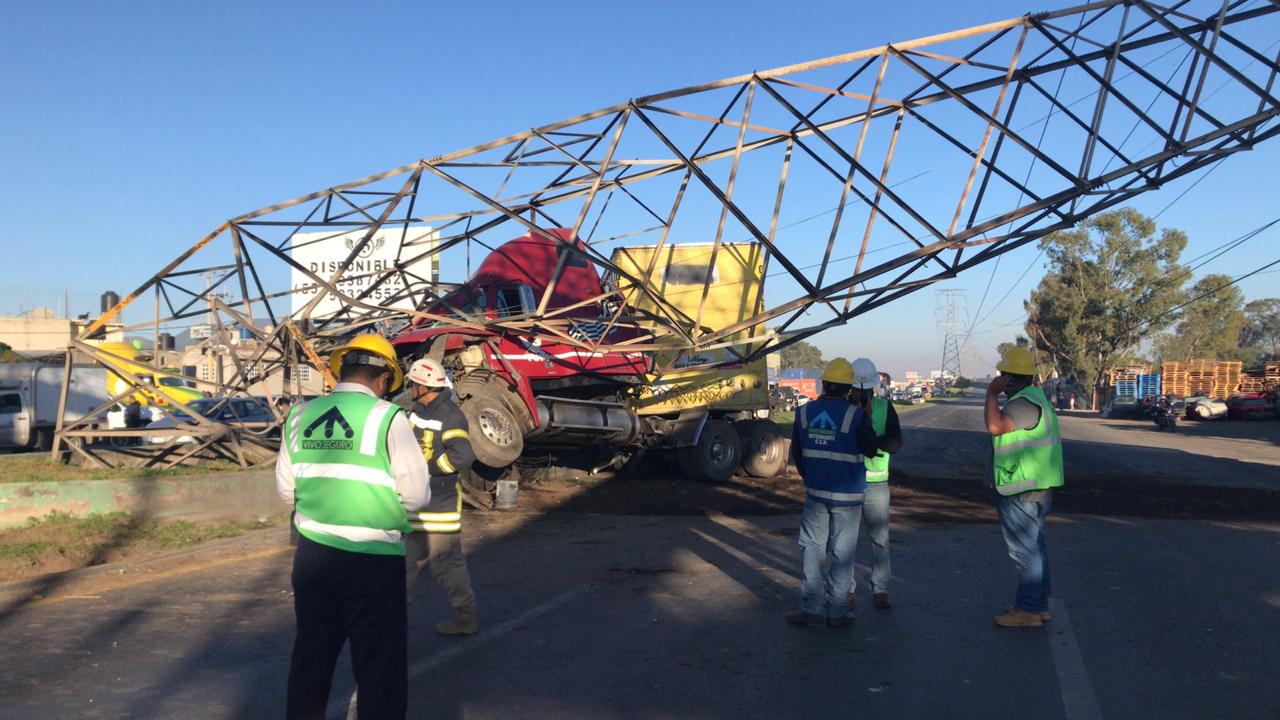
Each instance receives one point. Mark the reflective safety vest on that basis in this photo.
(443, 513)
(345, 489)
(833, 466)
(878, 466)
(1027, 460)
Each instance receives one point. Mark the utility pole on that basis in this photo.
(952, 316)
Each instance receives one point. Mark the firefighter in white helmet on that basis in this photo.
(436, 541)
(875, 501)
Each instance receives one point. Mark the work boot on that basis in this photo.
(881, 601)
(800, 617)
(1017, 618)
(1045, 616)
(463, 622)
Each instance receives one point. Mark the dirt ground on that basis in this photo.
(660, 491)
(54, 547)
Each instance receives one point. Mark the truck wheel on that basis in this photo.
(496, 436)
(763, 451)
(716, 455)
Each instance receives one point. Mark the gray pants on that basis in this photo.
(875, 515)
(442, 552)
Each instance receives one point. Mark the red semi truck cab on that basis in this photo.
(548, 389)
(501, 374)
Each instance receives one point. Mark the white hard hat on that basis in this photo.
(865, 375)
(428, 373)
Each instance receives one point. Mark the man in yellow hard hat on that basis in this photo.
(828, 442)
(1026, 466)
(351, 465)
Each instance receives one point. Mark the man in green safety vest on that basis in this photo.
(875, 501)
(1026, 464)
(350, 464)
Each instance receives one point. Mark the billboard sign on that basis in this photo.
(324, 253)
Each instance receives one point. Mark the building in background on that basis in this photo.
(39, 333)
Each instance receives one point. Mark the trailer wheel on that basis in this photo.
(763, 449)
(716, 455)
(496, 435)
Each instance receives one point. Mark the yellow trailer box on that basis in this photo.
(715, 379)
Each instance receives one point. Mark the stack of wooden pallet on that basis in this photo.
(1227, 375)
(1173, 375)
(1271, 376)
(1202, 378)
(1253, 381)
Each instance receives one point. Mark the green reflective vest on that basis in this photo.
(1029, 459)
(878, 466)
(345, 489)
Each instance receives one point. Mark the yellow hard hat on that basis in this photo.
(375, 345)
(838, 371)
(1017, 360)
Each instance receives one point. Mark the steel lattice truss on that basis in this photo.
(865, 177)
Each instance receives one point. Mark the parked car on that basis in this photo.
(250, 413)
(1254, 406)
(782, 399)
(1205, 408)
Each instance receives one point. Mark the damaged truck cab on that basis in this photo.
(524, 390)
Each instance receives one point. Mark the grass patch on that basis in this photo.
(61, 541)
(36, 467)
(783, 420)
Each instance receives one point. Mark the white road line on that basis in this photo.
(488, 635)
(1078, 700)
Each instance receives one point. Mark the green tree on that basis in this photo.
(802, 355)
(1020, 341)
(1211, 324)
(1108, 287)
(1260, 336)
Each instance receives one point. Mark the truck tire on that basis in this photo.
(763, 449)
(496, 434)
(715, 456)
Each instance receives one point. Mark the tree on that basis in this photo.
(1211, 323)
(1111, 283)
(802, 355)
(1020, 341)
(1260, 336)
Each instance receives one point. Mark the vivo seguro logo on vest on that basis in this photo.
(822, 429)
(329, 420)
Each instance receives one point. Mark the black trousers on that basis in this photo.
(341, 596)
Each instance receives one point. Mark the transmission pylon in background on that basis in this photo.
(952, 317)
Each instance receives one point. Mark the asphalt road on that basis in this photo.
(590, 615)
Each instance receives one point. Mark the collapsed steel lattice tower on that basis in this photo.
(864, 176)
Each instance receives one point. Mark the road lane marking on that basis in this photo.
(1078, 700)
(338, 705)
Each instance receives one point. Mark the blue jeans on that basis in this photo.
(1022, 524)
(827, 530)
(875, 511)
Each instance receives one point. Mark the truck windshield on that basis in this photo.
(176, 382)
(10, 404)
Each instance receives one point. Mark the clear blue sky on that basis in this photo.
(132, 129)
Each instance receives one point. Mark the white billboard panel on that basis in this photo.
(324, 253)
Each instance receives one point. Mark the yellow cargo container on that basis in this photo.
(716, 380)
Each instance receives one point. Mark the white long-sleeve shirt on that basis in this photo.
(413, 478)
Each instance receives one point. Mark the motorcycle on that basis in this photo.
(1165, 415)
